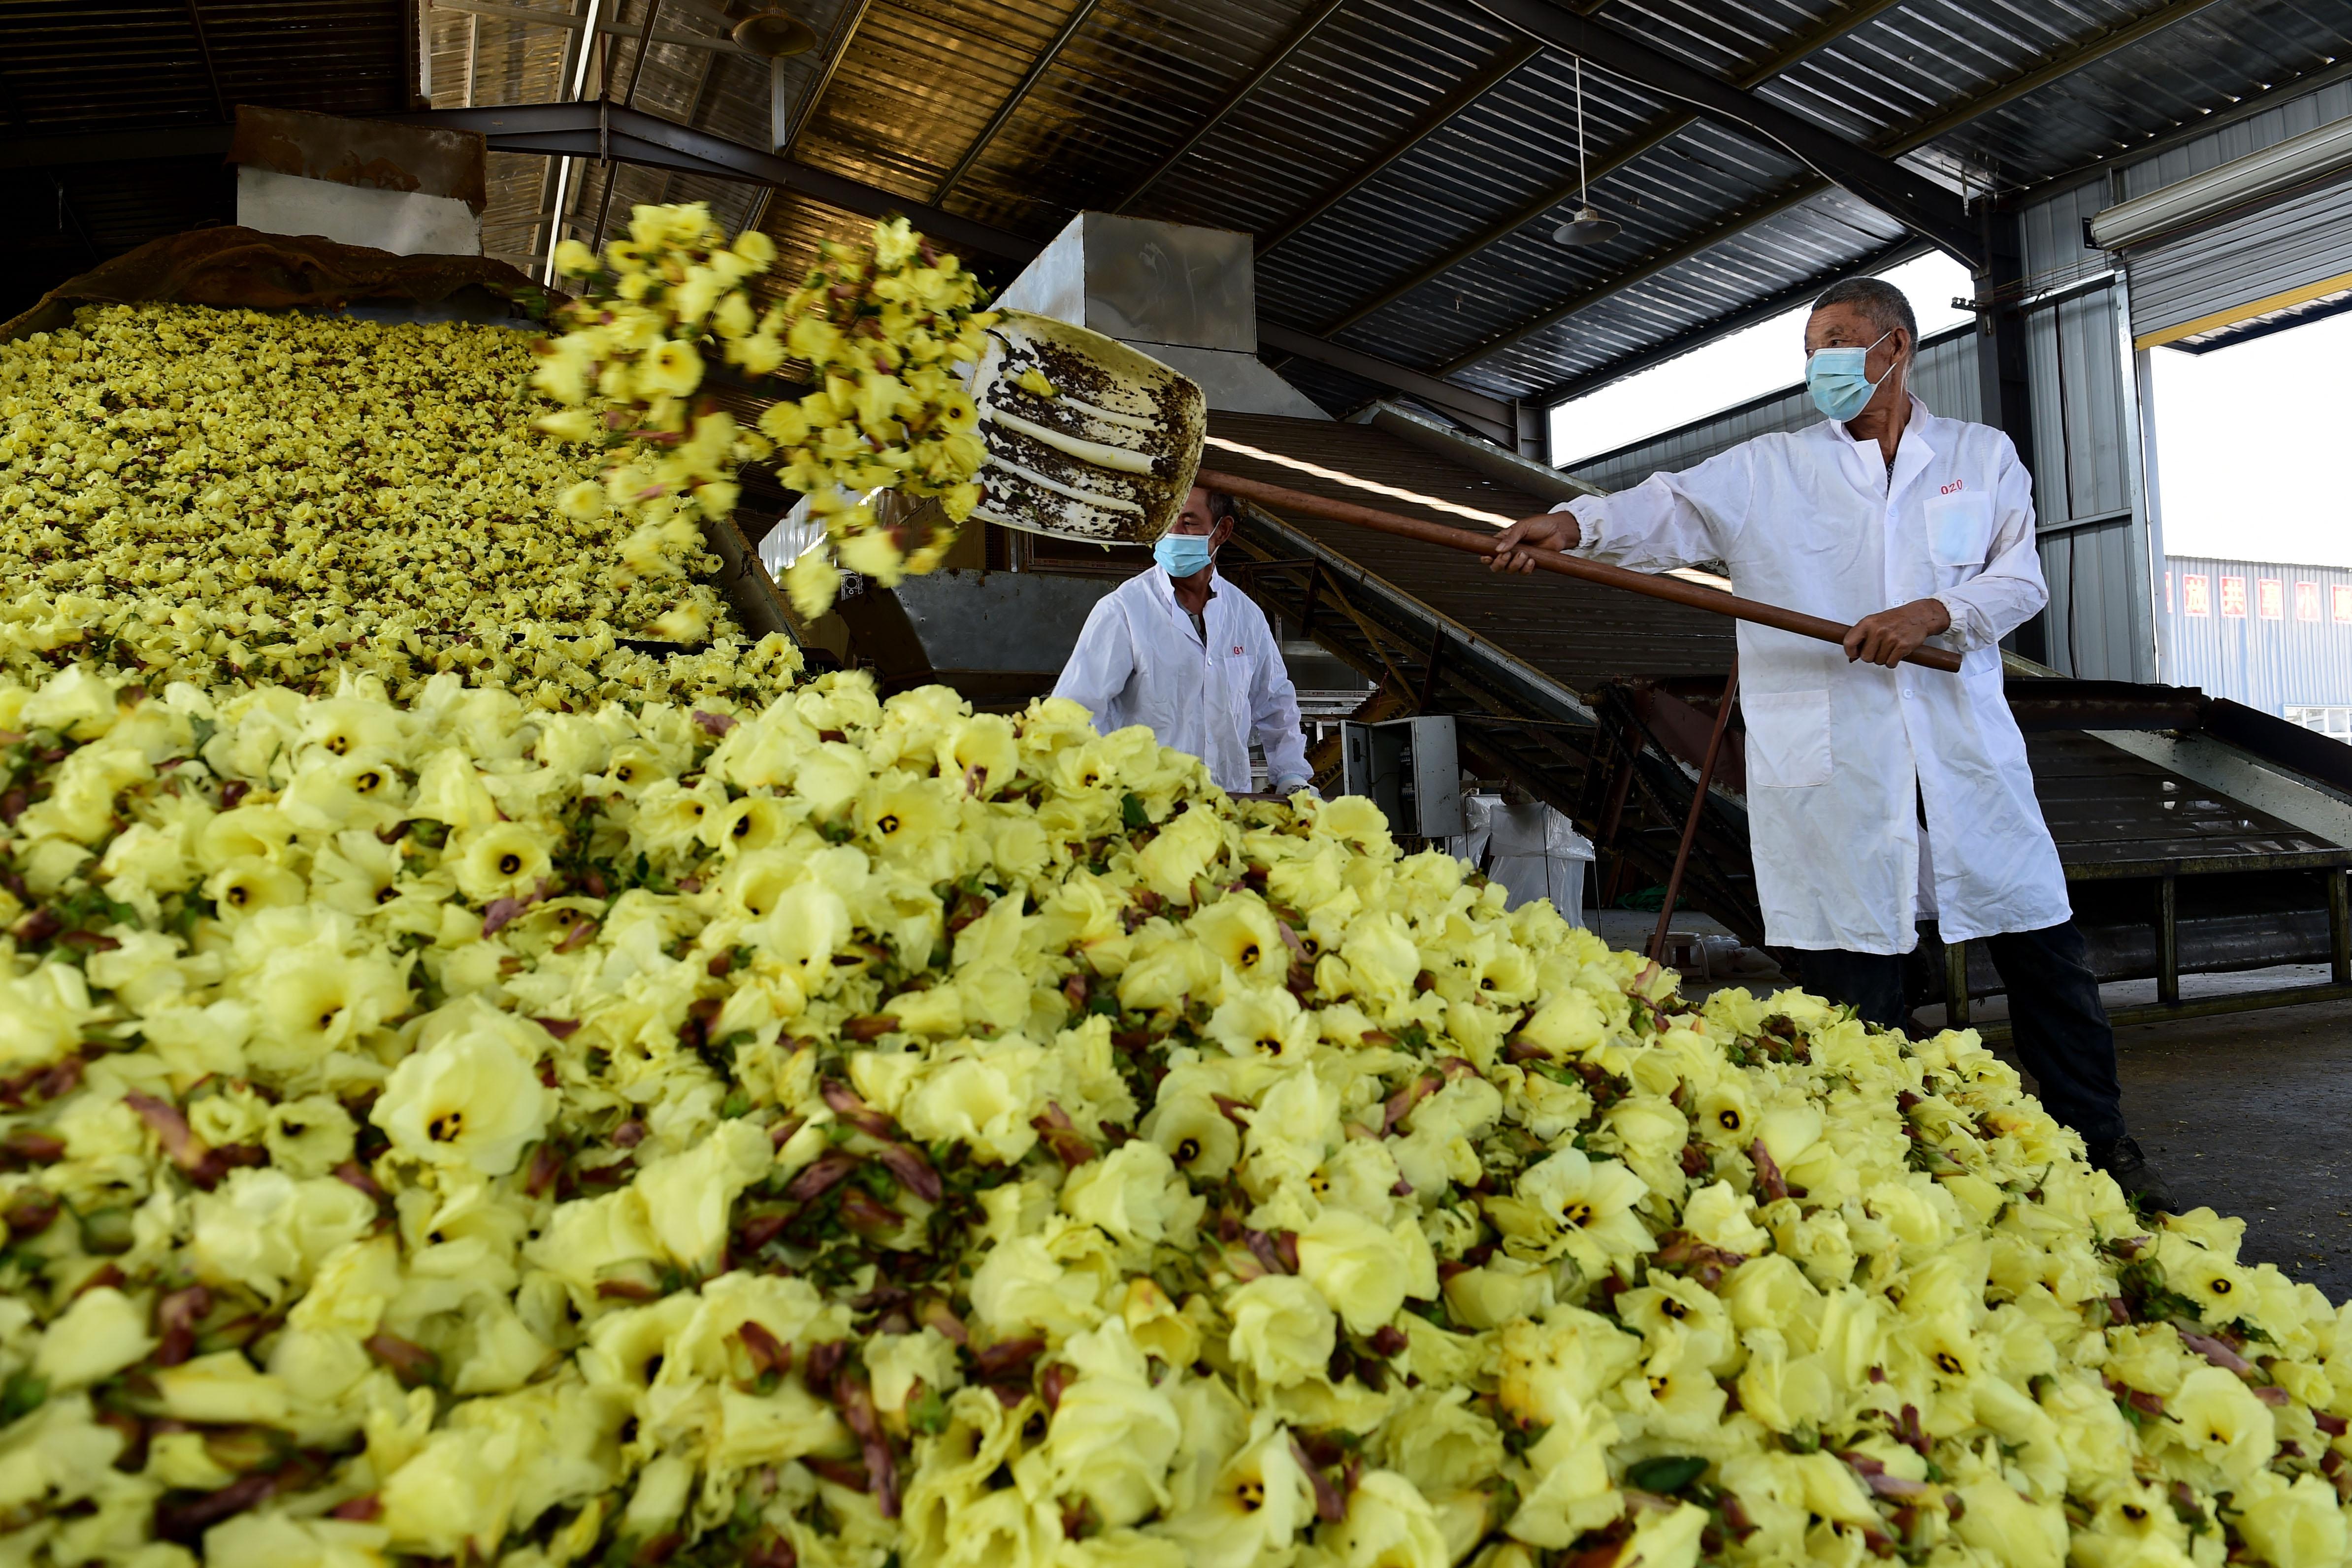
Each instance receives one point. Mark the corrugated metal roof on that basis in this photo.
(910, 86)
(2210, 61)
(75, 65)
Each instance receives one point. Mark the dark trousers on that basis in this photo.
(2060, 1025)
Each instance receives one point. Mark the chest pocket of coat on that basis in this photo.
(1960, 528)
(1788, 738)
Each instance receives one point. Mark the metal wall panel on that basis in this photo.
(2079, 438)
(2055, 250)
(2095, 615)
(2302, 657)
(1946, 376)
(1945, 379)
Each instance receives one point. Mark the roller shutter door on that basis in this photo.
(2293, 257)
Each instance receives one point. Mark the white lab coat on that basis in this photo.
(1139, 661)
(1815, 521)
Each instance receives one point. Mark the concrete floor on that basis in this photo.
(2246, 1113)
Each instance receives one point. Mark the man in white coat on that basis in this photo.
(1179, 649)
(1883, 794)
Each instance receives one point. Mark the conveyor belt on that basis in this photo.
(1598, 701)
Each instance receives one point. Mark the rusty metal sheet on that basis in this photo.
(365, 152)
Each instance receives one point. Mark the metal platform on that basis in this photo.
(2197, 836)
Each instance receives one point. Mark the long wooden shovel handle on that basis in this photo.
(1284, 499)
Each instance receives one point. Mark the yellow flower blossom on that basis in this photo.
(842, 1127)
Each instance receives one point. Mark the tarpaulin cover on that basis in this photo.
(244, 269)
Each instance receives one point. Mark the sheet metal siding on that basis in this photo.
(2271, 665)
(2092, 628)
(2302, 240)
(2052, 231)
(2081, 444)
(1945, 379)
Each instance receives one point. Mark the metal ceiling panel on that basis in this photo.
(1664, 198)
(1817, 241)
(2195, 67)
(910, 85)
(1366, 74)
(69, 65)
(1513, 145)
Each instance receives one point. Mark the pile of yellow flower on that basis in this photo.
(847, 1132)
(230, 496)
(880, 329)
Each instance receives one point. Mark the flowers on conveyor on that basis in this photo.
(881, 329)
(230, 496)
(819, 1132)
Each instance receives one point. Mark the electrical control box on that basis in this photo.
(1408, 768)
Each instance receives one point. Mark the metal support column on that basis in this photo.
(2167, 944)
(2004, 382)
(2339, 927)
(1698, 811)
(1611, 818)
(1956, 985)
(1429, 672)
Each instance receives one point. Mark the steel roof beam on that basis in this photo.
(211, 72)
(1698, 244)
(632, 136)
(1698, 337)
(1233, 100)
(805, 112)
(1900, 143)
(1013, 99)
(1439, 115)
(2049, 70)
(592, 130)
(1917, 202)
(1814, 38)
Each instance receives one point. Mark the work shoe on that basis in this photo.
(2123, 1160)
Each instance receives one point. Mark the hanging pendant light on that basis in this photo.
(1588, 227)
(769, 31)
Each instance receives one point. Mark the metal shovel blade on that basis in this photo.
(1108, 455)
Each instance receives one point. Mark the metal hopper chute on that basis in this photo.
(1087, 439)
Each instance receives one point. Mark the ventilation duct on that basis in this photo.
(1186, 295)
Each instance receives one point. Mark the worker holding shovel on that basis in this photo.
(1881, 793)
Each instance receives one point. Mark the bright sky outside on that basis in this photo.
(2250, 446)
(1767, 357)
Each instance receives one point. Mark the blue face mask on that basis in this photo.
(1836, 378)
(1181, 555)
